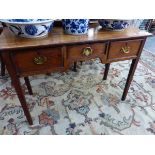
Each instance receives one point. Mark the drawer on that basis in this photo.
(86, 51)
(124, 49)
(38, 60)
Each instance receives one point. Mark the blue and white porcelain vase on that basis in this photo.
(29, 28)
(75, 26)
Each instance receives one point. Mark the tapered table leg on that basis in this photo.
(27, 82)
(130, 77)
(2, 66)
(81, 62)
(75, 67)
(16, 83)
(22, 100)
(106, 71)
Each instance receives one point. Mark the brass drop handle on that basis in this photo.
(87, 51)
(40, 60)
(125, 49)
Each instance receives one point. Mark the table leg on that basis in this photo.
(16, 83)
(75, 67)
(27, 82)
(81, 62)
(130, 77)
(2, 66)
(106, 71)
(22, 99)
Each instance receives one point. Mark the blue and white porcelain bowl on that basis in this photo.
(75, 26)
(29, 28)
(114, 24)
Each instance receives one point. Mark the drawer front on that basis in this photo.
(86, 51)
(38, 60)
(124, 49)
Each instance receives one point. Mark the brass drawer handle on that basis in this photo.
(40, 60)
(125, 49)
(87, 51)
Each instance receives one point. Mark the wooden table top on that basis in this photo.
(57, 37)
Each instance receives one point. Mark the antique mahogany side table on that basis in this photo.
(25, 57)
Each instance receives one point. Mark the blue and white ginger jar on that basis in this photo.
(75, 26)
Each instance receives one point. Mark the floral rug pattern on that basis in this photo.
(81, 102)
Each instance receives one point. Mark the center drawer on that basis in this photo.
(86, 51)
(38, 60)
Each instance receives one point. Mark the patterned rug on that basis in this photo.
(82, 103)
